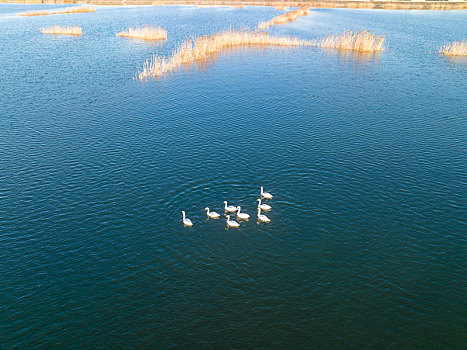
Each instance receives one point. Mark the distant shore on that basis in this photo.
(390, 5)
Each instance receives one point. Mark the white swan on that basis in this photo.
(186, 222)
(229, 208)
(266, 195)
(212, 214)
(262, 217)
(263, 206)
(231, 223)
(243, 216)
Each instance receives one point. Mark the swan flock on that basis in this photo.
(235, 210)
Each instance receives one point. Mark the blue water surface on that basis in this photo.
(365, 156)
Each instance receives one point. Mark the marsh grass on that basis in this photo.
(146, 33)
(59, 11)
(73, 30)
(456, 48)
(284, 18)
(387, 5)
(203, 48)
(356, 41)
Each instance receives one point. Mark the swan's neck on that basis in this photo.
(207, 210)
(183, 215)
(225, 205)
(261, 190)
(238, 210)
(259, 201)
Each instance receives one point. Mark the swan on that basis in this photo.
(244, 216)
(229, 208)
(186, 222)
(263, 206)
(266, 195)
(212, 214)
(231, 223)
(262, 217)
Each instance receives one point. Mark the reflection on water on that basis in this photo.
(457, 60)
(202, 65)
(363, 58)
(230, 51)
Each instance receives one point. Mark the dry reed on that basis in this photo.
(456, 48)
(204, 47)
(145, 33)
(392, 5)
(59, 11)
(356, 41)
(284, 18)
(62, 30)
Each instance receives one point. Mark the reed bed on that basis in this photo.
(59, 11)
(391, 5)
(146, 33)
(281, 7)
(356, 41)
(74, 30)
(284, 18)
(456, 48)
(203, 48)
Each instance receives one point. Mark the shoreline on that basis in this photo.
(382, 5)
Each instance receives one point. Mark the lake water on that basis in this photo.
(365, 156)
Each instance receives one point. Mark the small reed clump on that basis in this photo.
(202, 48)
(284, 18)
(357, 41)
(145, 33)
(456, 48)
(62, 30)
(59, 11)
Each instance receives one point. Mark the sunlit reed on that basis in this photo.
(59, 11)
(203, 47)
(356, 41)
(456, 48)
(390, 5)
(74, 30)
(284, 18)
(145, 33)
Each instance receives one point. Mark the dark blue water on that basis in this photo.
(366, 158)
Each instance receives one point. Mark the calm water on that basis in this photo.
(366, 158)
